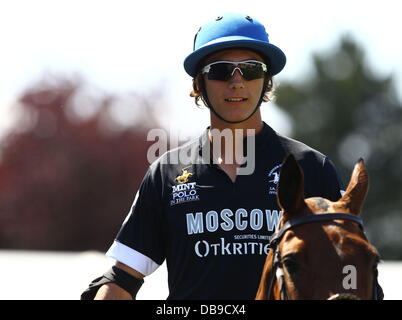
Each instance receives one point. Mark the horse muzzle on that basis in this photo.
(343, 296)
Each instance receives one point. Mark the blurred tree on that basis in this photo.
(347, 111)
(68, 180)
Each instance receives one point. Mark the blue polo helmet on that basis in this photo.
(233, 31)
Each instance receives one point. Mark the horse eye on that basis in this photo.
(290, 263)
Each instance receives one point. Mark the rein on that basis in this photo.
(277, 268)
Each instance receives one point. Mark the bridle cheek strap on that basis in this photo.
(277, 269)
(280, 277)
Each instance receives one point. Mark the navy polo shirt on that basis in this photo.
(213, 232)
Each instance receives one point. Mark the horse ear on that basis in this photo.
(290, 194)
(357, 189)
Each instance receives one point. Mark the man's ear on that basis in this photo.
(290, 194)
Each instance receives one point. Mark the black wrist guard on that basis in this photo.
(118, 276)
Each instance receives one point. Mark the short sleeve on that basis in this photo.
(139, 243)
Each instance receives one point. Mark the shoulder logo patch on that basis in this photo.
(273, 177)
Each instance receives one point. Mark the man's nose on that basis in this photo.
(236, 81)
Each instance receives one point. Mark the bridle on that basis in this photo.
(277, 268)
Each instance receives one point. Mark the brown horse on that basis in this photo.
(320, 250)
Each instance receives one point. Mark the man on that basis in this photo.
(211, 217)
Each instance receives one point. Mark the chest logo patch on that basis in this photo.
(273, 179)
(183, 178)
(184, 191)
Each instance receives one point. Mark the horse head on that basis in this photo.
(319, 250)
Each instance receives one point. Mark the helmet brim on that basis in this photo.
(272, 55)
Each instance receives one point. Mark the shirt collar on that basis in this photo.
(260, 138)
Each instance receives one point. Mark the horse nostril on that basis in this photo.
(343, 296)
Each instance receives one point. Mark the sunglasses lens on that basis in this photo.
(220, 71)
(252, 71)
(223, 71)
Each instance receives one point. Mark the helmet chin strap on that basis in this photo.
(209, 105)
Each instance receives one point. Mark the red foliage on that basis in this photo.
(67, 185)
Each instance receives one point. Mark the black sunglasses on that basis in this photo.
(224, 70)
